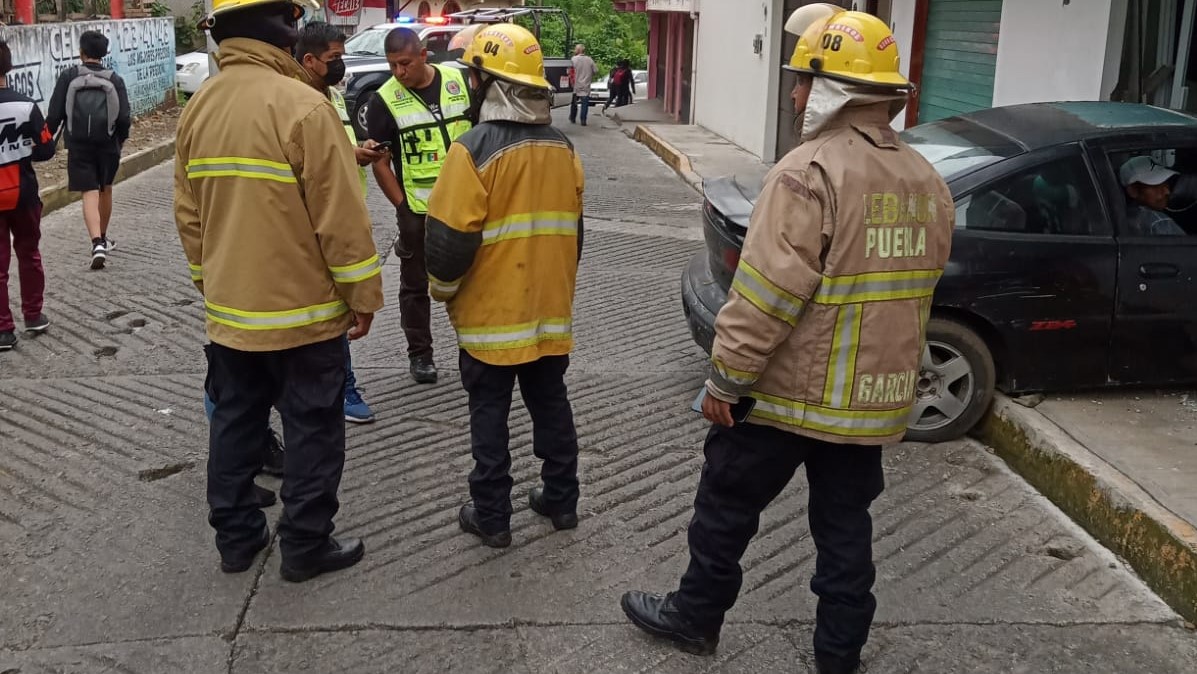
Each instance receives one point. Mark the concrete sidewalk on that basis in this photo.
(1122, 464)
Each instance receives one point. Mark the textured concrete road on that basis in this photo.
(107, 562)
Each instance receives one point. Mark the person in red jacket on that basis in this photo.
(24, 139)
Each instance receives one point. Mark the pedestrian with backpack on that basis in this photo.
(91, 102)
(24, 139)
(620, 85)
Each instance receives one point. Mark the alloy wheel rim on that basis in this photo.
(945, 385)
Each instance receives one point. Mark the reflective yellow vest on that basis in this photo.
(424, 141)
(338, 102)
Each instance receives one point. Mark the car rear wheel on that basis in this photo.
(359, 115)
(955, 384)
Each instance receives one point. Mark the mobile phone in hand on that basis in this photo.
(739, 411)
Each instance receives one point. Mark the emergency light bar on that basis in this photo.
(404, 19)
(436, 20)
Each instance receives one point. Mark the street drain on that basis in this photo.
(155, 474)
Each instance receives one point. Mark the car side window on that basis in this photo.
(438, 46)
(1157, 191)
(1057, 197)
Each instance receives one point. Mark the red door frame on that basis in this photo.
(918, 45)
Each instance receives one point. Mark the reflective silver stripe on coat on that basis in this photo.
(877, 287)
(355, 273)
(512, 230)
(275, 320)
(501, 335)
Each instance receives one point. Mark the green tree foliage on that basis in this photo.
(608, 35)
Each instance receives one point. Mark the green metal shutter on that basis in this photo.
(960, 57)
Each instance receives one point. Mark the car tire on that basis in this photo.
(359, 111)
(955, 384)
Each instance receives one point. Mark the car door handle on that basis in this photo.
(1158, 271)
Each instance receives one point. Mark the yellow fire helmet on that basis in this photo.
(807, 23)
(852, 47)
(219, 7)
(509, 52)
(462, 38)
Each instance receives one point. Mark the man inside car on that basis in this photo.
(1147, 189)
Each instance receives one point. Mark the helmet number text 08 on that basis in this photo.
(832, 42)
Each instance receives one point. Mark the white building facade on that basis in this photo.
(964, 55)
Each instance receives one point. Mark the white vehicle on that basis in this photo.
(191, 70)
(600, 92)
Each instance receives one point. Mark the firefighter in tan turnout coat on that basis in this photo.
(822, 334)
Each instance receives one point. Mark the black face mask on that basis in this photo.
(335, 73)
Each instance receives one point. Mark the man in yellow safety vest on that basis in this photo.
(320, 50)
(421, 110)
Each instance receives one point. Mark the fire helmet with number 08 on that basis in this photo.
(849, 46)
(509, 52)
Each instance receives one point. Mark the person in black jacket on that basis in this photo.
(24, 139)
(93, 149)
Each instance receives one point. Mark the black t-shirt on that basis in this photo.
(380, 123)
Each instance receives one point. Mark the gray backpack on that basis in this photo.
(92, 106)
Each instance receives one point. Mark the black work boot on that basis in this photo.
(468, 519)
(239, 562)
(423, 370)
(273, 463)
(561, 521)
(658, 616)
(335, 556)
(264, 497)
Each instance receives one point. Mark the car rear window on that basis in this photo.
(955, 147)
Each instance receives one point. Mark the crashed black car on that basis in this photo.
(1057, 278)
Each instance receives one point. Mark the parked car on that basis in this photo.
(1047, 288)
(600, 91)
(366, 67)
(191, 70)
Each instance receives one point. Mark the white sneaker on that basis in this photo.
(109, 244)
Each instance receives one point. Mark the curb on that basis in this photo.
(669, 154)
(1160, 546)
(58, 196)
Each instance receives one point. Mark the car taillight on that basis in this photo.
(731, 259)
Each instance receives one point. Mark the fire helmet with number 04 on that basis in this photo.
(509, 52)
(848, 46)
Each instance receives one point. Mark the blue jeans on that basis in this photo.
(209, 406)
(584, 101)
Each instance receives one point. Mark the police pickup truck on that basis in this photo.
(366, 66)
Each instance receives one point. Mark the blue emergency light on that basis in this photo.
(404, 19)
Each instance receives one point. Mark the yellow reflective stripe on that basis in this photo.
(515, 336)
(354, 273)
(524, 225)
(841, 365)
(240, 167)
(877, 286)
(847, 423)
(275, 320)
(197, 272)
(738, 377)
(766, 295)
(440, 286)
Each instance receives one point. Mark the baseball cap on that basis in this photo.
(1144, 170)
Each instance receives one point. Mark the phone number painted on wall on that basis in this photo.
(141, 51)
